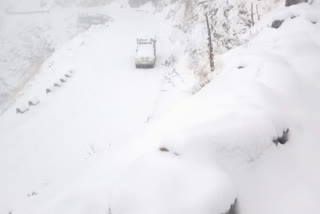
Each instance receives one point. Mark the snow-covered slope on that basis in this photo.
(261, 89)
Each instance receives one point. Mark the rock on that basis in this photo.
(57, 84)
(35, 101)
(293, 2)
(49, 90)
(277, 23)
(22, 109)
(63, 80)
(164, 149)
(69, 74)
(283, 139)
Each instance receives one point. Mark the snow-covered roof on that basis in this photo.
(145, 50)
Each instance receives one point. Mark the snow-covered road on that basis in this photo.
(105, 103)
(105, 141)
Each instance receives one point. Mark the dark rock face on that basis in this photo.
(277, 23)
(292, 2)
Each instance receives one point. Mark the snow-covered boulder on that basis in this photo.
(34, 101)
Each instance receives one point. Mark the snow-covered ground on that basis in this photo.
(102, 107)
(258, 91)
(92, 145)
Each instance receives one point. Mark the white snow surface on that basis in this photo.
(92, 145)
(94, 117)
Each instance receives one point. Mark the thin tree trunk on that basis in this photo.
(210, 45)
(252, 19)
(258, 12)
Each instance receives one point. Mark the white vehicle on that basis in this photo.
(146, 52)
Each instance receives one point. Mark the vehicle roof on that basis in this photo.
(145, 50)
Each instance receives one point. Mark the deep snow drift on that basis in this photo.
(92, 145)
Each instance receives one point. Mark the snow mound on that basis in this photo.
(258, 91)
(165, 183)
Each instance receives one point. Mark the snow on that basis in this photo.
(93, 144)
(165, 183)
(97, 113)
(258, 91)
(34, 101)
(145, 50)
(27, 40)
